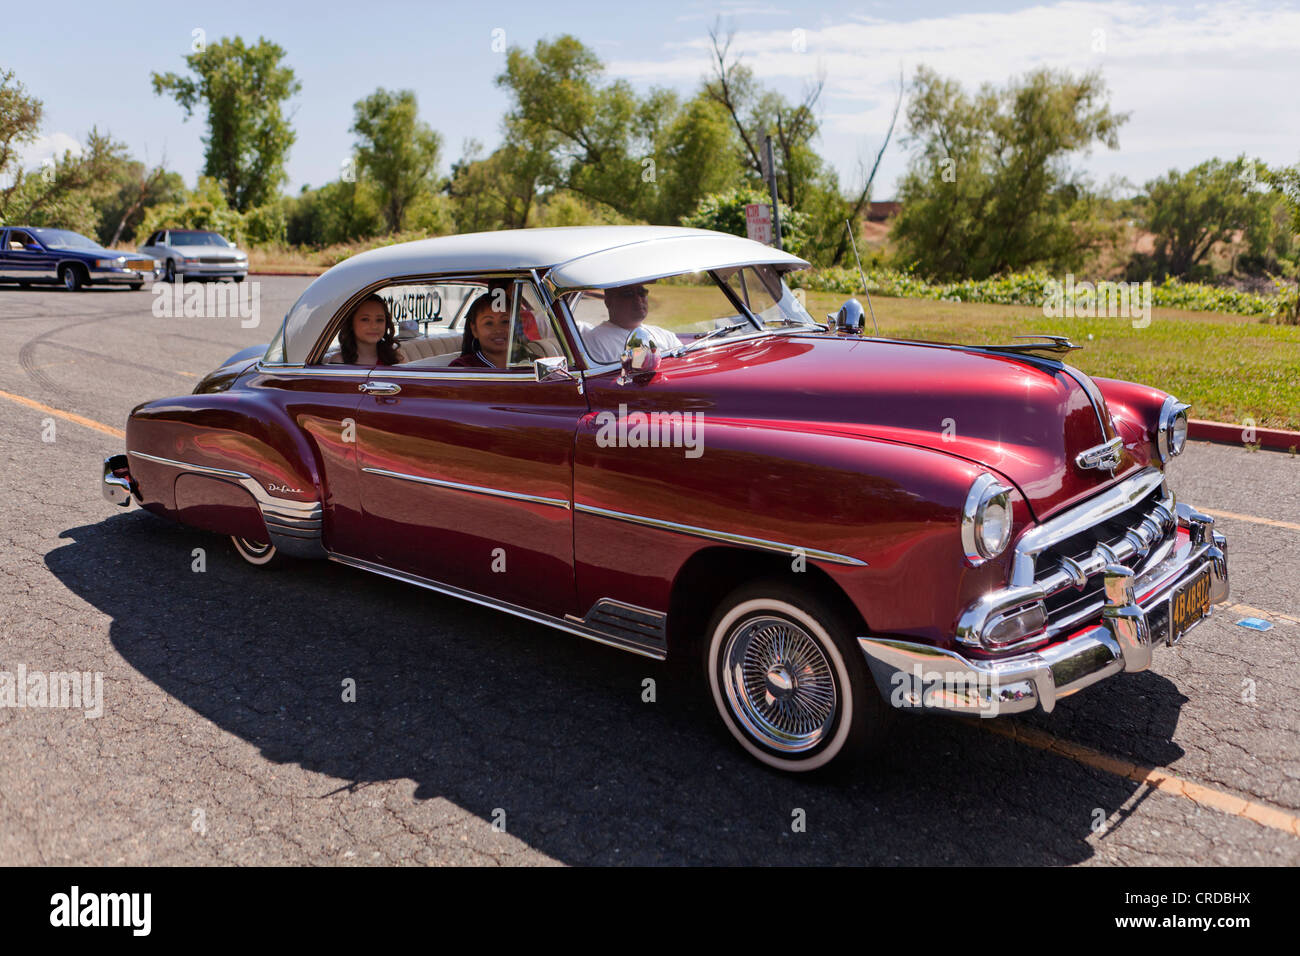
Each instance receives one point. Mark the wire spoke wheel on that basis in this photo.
(780, 684)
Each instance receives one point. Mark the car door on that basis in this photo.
(26, 259)
(466, 475)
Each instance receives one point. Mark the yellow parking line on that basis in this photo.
(1150, 776)
(66, 416)
(1290, 525)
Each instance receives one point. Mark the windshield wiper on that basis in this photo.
(704, 338)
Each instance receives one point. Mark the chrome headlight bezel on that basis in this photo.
(1171, 431)
(985, 492)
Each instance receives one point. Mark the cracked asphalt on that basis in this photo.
(478, 739)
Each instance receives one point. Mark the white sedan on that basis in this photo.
(196, 253)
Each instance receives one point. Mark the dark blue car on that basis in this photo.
(31, 255)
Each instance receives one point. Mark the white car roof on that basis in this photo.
(573, 256)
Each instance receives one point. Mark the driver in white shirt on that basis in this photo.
(627, 307)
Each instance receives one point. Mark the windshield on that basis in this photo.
(679, 309)
(63, 239)
(196, 239)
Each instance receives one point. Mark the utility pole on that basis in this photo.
(770, 163)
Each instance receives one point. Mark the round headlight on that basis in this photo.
(1171, 434)
(986, 520)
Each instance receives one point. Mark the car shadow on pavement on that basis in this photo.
(493, 713)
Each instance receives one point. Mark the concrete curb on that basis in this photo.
(1227, 434)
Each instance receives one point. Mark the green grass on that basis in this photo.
(1229, 367)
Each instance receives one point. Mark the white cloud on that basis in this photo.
(1199, 81)
(35, 153)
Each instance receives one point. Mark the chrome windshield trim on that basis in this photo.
(473, 489)
(760, 543)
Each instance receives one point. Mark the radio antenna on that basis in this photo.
(864, 277)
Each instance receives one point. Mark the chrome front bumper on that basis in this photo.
(927, 678)
(213, 270)
(122, 276)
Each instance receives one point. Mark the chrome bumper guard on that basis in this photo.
(115, 487)
(928, 678)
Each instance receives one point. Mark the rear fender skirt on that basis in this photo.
(294, 527)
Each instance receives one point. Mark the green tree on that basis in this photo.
(20, 123)
(397, 151)
(989, 188)
(205, 208)
(1285, 183)
(725, 212)
(134, 189)
(1210, 203)
(585, 126)
(65, 192)
(243, 88)
(338, 212)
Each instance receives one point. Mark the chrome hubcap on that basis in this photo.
(779, 683)
(253, 548)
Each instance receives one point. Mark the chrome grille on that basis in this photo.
(1140, 536)
(1059, 565)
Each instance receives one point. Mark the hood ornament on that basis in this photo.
(1059, 344)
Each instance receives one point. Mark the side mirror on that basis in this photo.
(640, 357)
(850, 319)
(552, 369)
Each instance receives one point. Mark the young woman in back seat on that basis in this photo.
(369, 337)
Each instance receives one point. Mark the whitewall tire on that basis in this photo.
(788, 680)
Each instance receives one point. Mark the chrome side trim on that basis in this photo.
(293, 526)
(760, 543)
(537, 617)
(618, 618)
(474, 489)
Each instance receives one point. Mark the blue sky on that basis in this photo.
(1200, 80)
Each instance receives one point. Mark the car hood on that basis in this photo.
(1025, 417)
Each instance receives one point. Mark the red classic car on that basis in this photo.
(639, 436)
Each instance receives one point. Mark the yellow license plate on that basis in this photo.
(1189, 604)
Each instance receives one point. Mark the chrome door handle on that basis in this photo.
(380, 388)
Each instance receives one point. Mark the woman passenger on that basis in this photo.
(487, 336)
(369, 337)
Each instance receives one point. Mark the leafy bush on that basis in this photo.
(725, 212)
(1030, 288)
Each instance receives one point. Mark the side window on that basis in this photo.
(535, 332)
(18, 240)
(450, 324)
